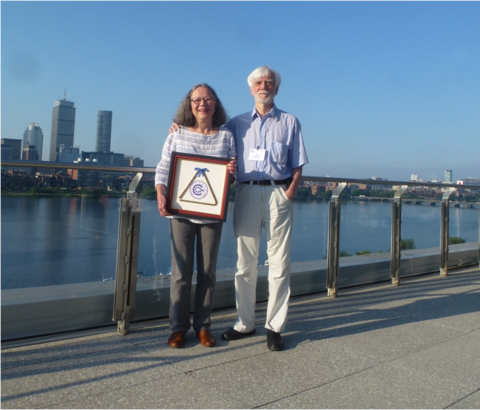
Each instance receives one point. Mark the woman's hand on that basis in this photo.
(162, 200)
(174, 127)
(232, 166)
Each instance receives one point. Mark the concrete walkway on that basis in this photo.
(413, 346)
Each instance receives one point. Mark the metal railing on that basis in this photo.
(129, 227)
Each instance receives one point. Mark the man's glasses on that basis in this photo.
(198, 100)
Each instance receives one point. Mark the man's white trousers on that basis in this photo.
(268, 207)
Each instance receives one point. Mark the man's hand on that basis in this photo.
(174, 127)
(232, 166)
(291, 192)
(292, 189)
(162, 200)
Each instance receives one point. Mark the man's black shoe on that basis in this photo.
(274, 341)
(232, 334)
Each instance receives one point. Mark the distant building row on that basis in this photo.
(32, 145)
(62, 140)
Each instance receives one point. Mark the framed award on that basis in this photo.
(198, 186)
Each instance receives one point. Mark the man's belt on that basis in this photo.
(267, 182)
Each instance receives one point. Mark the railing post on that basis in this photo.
(444, 231)
(396, 240)
(333, 240)
(127, 258)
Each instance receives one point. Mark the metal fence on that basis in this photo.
(129, 227)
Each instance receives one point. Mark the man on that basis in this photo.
(270, 158)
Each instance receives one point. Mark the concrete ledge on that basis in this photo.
(54, 309)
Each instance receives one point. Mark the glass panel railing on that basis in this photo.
(463, 223)
(365, 240)
(421, 224)
(59, 251)
(58, 240)
(365, 227)
(154, 247)
(310, 230)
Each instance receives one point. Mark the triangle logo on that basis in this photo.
(199, 190)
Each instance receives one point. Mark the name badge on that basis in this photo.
(257, 154)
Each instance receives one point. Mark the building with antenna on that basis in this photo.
(104, 131)
(33, 138)
(63, 126)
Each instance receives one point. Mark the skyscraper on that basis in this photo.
(33, 135)
(30, 153)
(104, 131)
(63, 126)
(13, 146)
(448, 175)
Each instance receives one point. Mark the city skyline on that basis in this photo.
(381, 88)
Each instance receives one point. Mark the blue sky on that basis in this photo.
(380, 88)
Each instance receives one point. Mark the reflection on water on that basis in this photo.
(50, 241)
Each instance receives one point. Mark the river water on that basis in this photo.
(63, 240)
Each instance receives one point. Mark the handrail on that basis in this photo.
(92, 166)
(399, 183)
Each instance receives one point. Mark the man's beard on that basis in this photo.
(267, 100)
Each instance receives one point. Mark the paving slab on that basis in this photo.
(472, 401)
(194, 356)
(177, 392)
(46, 352)
(396, 338)
(381, 387)
(44, 384)
(315, 328)
(275, 375)
(456, 359)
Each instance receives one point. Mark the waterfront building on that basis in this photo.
(103, 158)
(104, 131)
(471, 181)
(11, 148)
(63, 126)
(132, 161)
(67, 154)
(33, 136)
(30, 153)
(6, 152)
(448, 175)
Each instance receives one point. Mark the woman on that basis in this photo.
(200, 116)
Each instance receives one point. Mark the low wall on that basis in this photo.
(55, 309)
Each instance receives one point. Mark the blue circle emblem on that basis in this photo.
(199, 190)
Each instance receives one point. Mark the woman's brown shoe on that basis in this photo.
(176, 340)
(206, 338)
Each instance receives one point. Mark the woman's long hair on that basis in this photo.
(184, 115)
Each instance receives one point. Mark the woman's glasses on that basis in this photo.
(198, 100)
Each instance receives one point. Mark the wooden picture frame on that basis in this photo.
(198, 186)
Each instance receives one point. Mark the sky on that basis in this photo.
(384, 89)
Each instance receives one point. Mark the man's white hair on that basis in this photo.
(264, 71)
